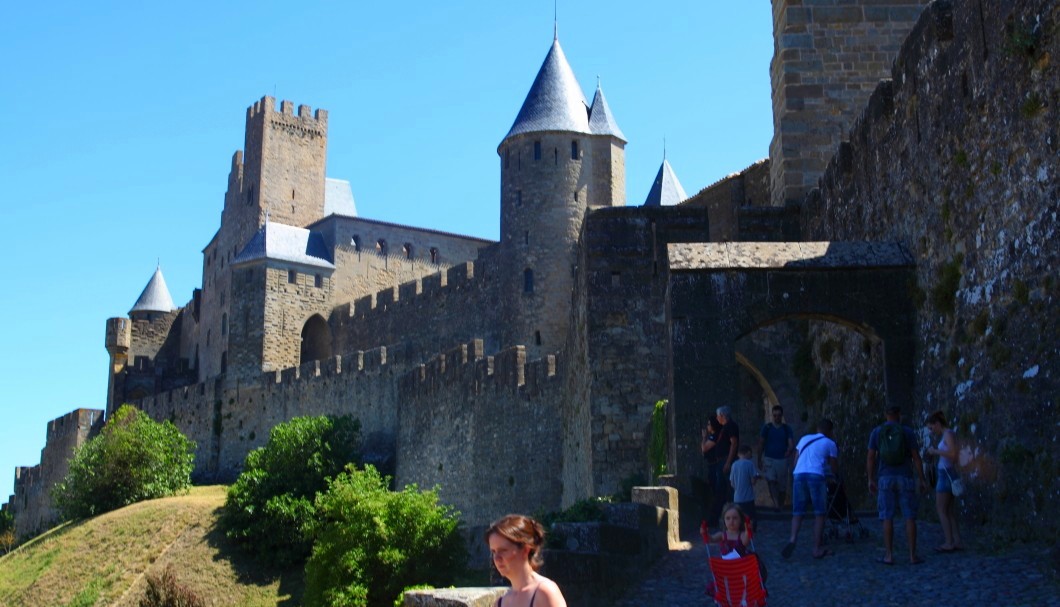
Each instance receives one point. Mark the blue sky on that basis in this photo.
(120, 121)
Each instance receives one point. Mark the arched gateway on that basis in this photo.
(719, 292)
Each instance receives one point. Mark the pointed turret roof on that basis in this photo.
(155, 297)
(601, 122)
(667, 190)
(555, 101)
(280, 242)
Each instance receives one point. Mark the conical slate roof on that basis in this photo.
(601, 122)
(555, 101)
(155, 297)
(281, 242)
(667, 190)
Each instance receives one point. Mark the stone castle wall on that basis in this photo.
(485, 429)
(226, 423)
(627, 337)
(828, 58)
(724, 198)
(31, 505)
(429, 314)
(956, 159)
(362, 268)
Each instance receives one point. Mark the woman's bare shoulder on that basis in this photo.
(550, 594)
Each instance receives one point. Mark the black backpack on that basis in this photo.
(893, 450)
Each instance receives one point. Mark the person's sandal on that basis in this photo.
(788, 549)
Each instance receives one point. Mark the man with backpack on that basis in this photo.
(892, 461)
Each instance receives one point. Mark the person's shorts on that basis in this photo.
(946, 476)
(809, 489)
(897, 491)
(775, 469)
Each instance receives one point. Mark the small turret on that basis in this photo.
(667, 190)
(154, 299)
(609, 155)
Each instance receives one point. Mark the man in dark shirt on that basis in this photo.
(726, 445)
(776, 444)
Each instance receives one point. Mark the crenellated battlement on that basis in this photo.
(78, 419)
(266, 108)
(467, 365)
(456, 277)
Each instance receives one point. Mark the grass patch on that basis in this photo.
(96, 561)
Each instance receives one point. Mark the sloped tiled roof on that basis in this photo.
(667, 190)
(155, 296)
(601, 122)
(555, 101)
(338, 198)
(281, 242)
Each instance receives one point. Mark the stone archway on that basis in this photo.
(719, 292)
(316, 340)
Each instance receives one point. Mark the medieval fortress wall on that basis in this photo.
(473, 369)
(957, 157)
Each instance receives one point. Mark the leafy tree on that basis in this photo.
(7, 521)
(372, 543)
(271, 504)
(134, 458)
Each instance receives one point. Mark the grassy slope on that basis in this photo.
(102, 561)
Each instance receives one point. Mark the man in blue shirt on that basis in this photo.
(892, 461)
(775, 446)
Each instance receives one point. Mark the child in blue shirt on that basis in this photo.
(743, 475)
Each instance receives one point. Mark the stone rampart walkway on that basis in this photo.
(971, 578)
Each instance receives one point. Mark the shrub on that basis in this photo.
(270, 506)
(657, 450)
(166, 591)
(134, 458)
(372, 543)
(7, 541)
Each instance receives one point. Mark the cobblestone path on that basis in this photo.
(974, 577)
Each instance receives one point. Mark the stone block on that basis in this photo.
(597, 537)
(454, 597)
(660, 497)
(837, 14)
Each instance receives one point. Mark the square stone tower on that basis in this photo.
(828, 59)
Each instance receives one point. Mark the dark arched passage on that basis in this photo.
(316, 340)
(721, 292)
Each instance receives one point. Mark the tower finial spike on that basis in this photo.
(598, 81)
(555, 20)
(664, 148)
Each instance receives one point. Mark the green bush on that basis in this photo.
(134, 458)
(270, 507)
(657, 450)
(372, 543)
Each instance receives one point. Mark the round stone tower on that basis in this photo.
(548, 181)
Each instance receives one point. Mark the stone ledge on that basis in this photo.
(454, 597)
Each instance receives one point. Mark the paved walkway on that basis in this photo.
(975, 577)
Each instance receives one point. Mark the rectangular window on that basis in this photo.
(537, 150)
(518, 198)
(292, 276)
(574, 150)
(318, 281)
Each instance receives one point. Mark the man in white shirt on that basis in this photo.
(816, 456)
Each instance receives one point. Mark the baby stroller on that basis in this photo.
(737, 581)
(842, 521)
